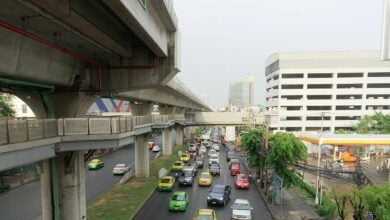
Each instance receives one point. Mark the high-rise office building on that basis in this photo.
(314, 91)
(241, 93)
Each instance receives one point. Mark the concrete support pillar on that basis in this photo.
(71, 181)
(166, 141)
(141, 109)
(46, 191)
(167, 110)
(179, 135)
(141, 157)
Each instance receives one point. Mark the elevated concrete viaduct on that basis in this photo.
(59, 56)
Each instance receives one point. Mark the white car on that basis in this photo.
(241, 209)
(214, 158)
(215, 147)
(213, 152)
(121, 168)
(203, 149)
(156, 148)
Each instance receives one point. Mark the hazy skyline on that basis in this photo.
(225, 40)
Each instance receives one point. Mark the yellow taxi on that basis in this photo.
(167, 183)
(177, 166)
(207, 214)
(95, 164)
(205, 179)
(185, 157)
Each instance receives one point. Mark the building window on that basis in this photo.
(348, 107)
(378, 96)
(293, 129)
(293, 118)
(292, 97)
(349, 86)
(143, 3)
(317, 128)
(24, 108)
(349, 97)
(319, 75)
(349, 75)
(318, 108)
(292, 108)
(378, 85)
(347, 118)
(319, 86)
(272, 68)
(292, 75)
(318, 118)
(293, 86)
(379, 74)
(377, 107)
(319, 97)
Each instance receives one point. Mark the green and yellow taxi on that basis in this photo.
(167, 183)
(205, 179)
(185, 157)
(205, 214)
(177, 166)
(178, 202)
(95, 164)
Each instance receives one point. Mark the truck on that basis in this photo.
(230, 135)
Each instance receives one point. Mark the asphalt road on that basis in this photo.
(24, 202)
(157, 206)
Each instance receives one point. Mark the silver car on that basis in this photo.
(121, 168)
(241, 209)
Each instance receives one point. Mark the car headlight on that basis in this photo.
(220, 198)
(208, 197)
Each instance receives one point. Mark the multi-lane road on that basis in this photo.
(157, 206)
(24, 203)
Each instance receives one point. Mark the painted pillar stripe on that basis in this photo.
(113, 104)
(100, 104)
(118, 108)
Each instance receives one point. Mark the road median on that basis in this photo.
(123, 201)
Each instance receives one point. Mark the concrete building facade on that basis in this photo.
(314, 91)
(241, 93)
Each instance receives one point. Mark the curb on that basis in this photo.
(147, 198)
(261, 194)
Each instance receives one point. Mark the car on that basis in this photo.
(235, 169)
(178, 202)
(192, 167)
(233, 160)
(205, 214)
(121, 168)
(205, 179)
(186, 177)
(167, 183)
(213, 153)
(241, 209)
(213, 158)
(215, 147)
(213, 162)
(150, 144)
(230, 148)
(156, 148)
(203, 149)
(95, 164)
(230, 155)
(192, 147)
(185, 157)
(241, 181)
(215, 169)
(219, 195)
(199, 160)
(177, 166)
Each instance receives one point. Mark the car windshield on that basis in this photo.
(120, 166)
(235, 165)
(241, 206)
(214, 166)
(199, 158)
(217, 190)
(241, 178)
(214, 157)
(184, 155)
(186, 174)
(204, 217)
(165, 180)
(178, 197)
(177, 164)
(204, 175)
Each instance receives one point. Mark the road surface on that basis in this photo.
(157, 206)
(24, 202)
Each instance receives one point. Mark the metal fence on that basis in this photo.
(23, 130)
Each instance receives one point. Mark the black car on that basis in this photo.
(186, 178)
(199, 161)
(219, 195)
(214, 169)
(230, 155)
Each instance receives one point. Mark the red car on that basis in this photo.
(235, 169)
(241, 181)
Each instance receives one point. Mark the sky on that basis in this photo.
(226, 40)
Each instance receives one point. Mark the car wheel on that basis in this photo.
(224, 202)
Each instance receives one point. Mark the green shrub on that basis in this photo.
(327, 208)
(4, 187)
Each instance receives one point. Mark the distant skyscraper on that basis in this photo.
(241, 93)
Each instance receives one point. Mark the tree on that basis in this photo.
(365, 125)
(341, 200)
(378, 123)
(376, 200)
(6, 109)
(358, 206)
(251, 142)
(285, 150)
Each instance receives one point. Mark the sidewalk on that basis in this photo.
(294, 207)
